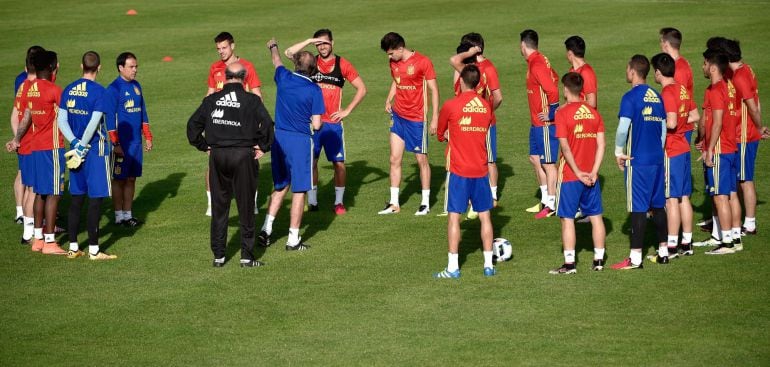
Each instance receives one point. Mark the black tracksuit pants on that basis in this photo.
(232, 172)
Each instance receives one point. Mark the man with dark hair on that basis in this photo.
(670, 43)
(639, 143)
(331, 73)
(464, 121)
(681, 114)
(132, 122)
(86, 114)
(42, 98)
(543, 97)
(580, 130)
(488, 88)
(298, 102)
(225, 44)
(238, 130)
(410, 71)
(576, 51)
(716, 137)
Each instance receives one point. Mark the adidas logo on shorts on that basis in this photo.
(229, 100)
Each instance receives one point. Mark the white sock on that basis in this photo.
(551, 202)
(543, 194)
(339, 192)
(736, 233)
(119, 215)
(663, 250)
(74, 247)
(268, 225)
(49, 237)
(312, 196)
(38, 233)
(686, 237)
(29, 225)
(19, 212)
(750, 223)
(294, 236)
(425, 197)
(488, 259)
(453, 264)
(494, 192)
(673, 240)
(394, 196)
(208, 196)
(715, 228)
(598, 253)
(636, 257)
(127, 215)
(569, 256)
(727, 237)
(93, 250)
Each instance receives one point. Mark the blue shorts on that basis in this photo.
(492, 144)
(331, 138)
(747, 157)
(291, 158)
(49, 171)
(678, 176)
(688, 136)
(27, 168)
(130, 165)
(722, 179)
(92, 177)
(462, 189)
(413, 133)
(543, 143)
(645, 188)
(573, 195)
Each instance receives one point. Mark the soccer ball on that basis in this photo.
(502, 249)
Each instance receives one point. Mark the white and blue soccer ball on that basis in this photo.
(502, 249)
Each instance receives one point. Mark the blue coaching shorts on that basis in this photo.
(49, 171)
(92, 177)
(543, 143)
(721, 179)
(747, 157)
(573, 195)
(413, 133)
(678, 176)
(492, 144)
(688, 136)
(27, 168)
(331, 138)
(645, 188)
(131, 165)
(462, 189)
(291, 158)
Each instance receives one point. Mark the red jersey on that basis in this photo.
(683, 74)
(21, 104)
(488, 82)
(580, 124)
(677, 99)
(43, 99)
(331, 88)
(217, 75)
(542, 86)
(589, 80)
(467, 117)
(746, 86)
(716, 98)
(410, 76)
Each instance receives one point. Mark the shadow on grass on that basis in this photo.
(470, 237)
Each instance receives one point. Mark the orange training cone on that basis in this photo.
(167, 58)
(131, 12)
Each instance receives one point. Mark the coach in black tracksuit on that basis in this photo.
(236, 128)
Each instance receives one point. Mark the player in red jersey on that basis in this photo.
(226, 49)
(411, 72)
(47, 147)
(576, 51)
(717, 132)
(749, 130)
(331, 74)
(580, 130)
(681, 114)
(670, 42)
(471, 51)
(464, 121)
(543, 98)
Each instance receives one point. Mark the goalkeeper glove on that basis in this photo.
(77, 155)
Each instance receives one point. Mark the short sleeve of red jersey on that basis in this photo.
(670, 100)
(443, 120)
(348, 71)
(493, 81)
(742, 85)
(545, 78)
(715, 100)
(589, 79)
(561, 123)
(430, 73)
(212, 82)
(252, 79)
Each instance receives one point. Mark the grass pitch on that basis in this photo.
(364, 294)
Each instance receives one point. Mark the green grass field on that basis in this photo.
(364, 294)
